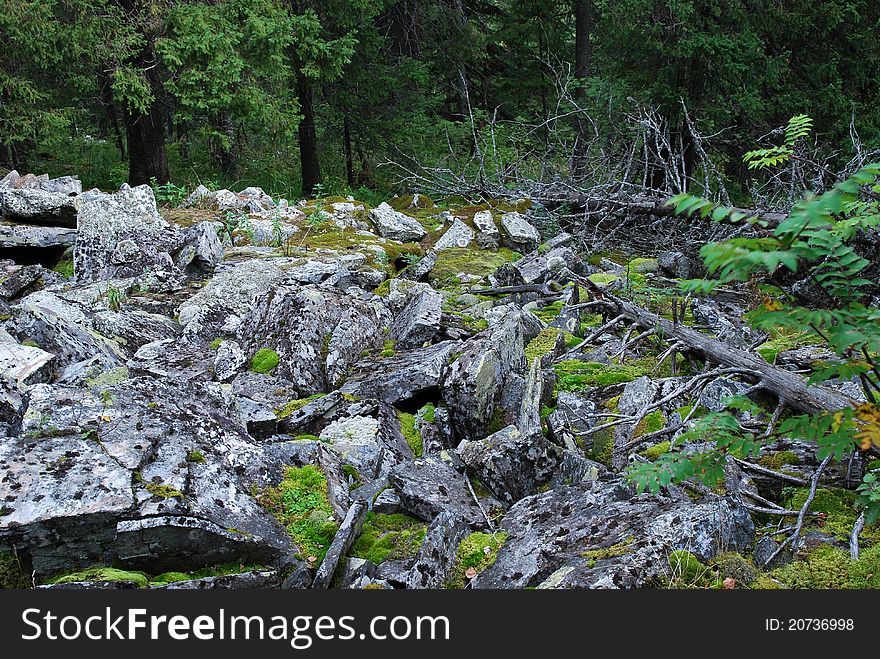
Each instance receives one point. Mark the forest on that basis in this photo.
(421, 294)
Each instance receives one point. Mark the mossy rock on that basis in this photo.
(100, 573)
(654, 452)
(575, 375)
(387, 537)
(839, 507)
(542, 344)
(477, 262)
(476, 552)
(265, 360)
(643, 266)
(411, 434)
(292, 406)
(779, 459)
(735, 566)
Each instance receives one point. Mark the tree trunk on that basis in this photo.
(582, 56)
(308, 137)
(225, 149)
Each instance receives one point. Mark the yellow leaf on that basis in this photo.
(868, 425)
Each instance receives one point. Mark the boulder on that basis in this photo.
(458, 235)
(418, 322)
(436, 558)
(597, 535)
(21, 235)
(396, 226)
(317, 334)
(488, 236)
(518, 234)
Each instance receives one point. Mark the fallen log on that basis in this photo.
(791, 389)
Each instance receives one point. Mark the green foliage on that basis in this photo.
(798, 128)
(830, 567)
(265, 360)
(301, 505)
(814, 240)
(168, 193)
(12, 574)
(389, 537)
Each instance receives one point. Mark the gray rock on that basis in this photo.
(458, 235)
(122, 235)
(518, 234)
(20, 281)
(571, 420)
(542, 266)
(25, 364)
(20, 235)
(418, 322)
(229, 360)
(437, 556)
(511, 464)
(357, 570)
(428, 487)
(318, 334)
(575, 469)
(243, 580)
(38, 206)
(202, 248)
(676, 265)
(403, 376)
(605, 538)
(726, 325)
(719, 389)
(342, 541)
(356, 440)
(396, 226)
(488, 235)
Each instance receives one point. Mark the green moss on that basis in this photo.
(830, 567)
(542, 344)
(170, 577)
(497, 422)
(603, 444)
(163, 491)
(653, 422)
(779, 459)
(308, 438)
(478, 262)
(352, 474)
(550, 312)
(301, 505)
(613, 551)
(387, 349)
(196, 456)
(109, 378)
(656, 451)
(216, 343)
(602, 278)
(12, 574)
(65, 268)
(785, 340)
(292, 406)
(838, 505)
(264, 361)
(477, 551)
(427, 412)
(411, 433)
(385, 537)
(734, 566)
(575, 375)
(100, 573)
(686, 569)
(384, 288)
(643, 265)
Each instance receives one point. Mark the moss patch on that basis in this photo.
(385, 537)
(476, 552)
(654, 452)
(196, 457)
(840, 513)
(542, 344)
(297, 404)
(411, 433)
(301, 505)
(64, 268)
(478, 262)
(831, 567)
(163, 491)
(575, 375)
(140, 579)
(653, 422)
(264, 361)
(779, 459)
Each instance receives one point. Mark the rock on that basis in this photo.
(174, 358)
(713, 396)
(317, 333)
(488, 235)
(357, 572)
(603, 537)
(512, 465)
(19, 235)
(25, 364)
(217, 308)
(243, 580)
(575, 469)
(122, 235)
(542, 266)
(202, 249)
(458, 235)
(676, 264)
(418, 322)
(518, 234)
(387, 503)
(637, 395)
(342, 541)
(420, 269)
(428, 487)
(473, 384)
(726, 325)
(38, 206)
(115, 472)
(19, 281)
(437, 556)
(229, 360)
(571, 420)
(196, 197)
(259, 420)
(356, 440)
(402, 377)
(396, 226)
